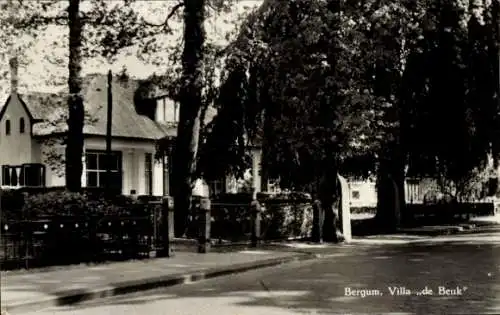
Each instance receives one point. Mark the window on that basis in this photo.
(168, 110)
(164, 110)
(25, 175)
(7, 127)
(355, 194)
(216, 187)
(148, 173)
(96, 162)
(21, 125)
(492, 186)
(5, 175)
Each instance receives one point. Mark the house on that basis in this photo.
(32, 125)
(362, 193)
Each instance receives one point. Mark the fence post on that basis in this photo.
(256, 213)
(204, 222)
(317, 228)
(167, 222)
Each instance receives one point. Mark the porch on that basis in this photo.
(134, 169)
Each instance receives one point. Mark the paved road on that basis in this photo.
(394, 279)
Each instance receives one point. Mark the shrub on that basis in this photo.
(231, 221)
(54, 203)
(283, 220)
(12, 202)
(284, 216)
(243, 198)
(284, 196)
(17, 204)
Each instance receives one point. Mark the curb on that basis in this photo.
(71, 297)
(193, 242)
(452, 230)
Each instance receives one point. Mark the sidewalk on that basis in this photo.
(488, 220)
(24, 291)
(477, 225)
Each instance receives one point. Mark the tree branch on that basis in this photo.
(169, 16)
(35, 21)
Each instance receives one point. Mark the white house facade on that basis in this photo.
(31, 123)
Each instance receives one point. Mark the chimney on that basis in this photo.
(13, 74)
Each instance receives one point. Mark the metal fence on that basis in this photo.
(138, 233)
(60, 240)
(232, 221)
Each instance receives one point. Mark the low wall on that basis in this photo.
(478, 209)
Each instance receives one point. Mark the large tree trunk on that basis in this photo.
(329, 197)
(390, 195)
(74, 140)
(494, 52)
(184, 164)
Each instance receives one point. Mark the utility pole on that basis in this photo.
(1, 226)
(108, 132)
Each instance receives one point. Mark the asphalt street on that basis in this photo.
(439, 278)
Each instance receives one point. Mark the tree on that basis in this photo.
(452, 76)
(372, 95)
(13, 15)
(442, 48)
(312, 107)
(111, 26)
(101, 29)
(193, 84)
(190, 110)
(76, 110)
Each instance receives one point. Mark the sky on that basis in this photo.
(46, 69)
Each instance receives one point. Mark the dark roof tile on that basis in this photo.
(126, 122)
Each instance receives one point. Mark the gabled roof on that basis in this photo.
(42, 105)
(7, 102)
(52, 109)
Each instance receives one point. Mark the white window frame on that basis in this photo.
(99, 170)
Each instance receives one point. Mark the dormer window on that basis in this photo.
(167, 110)
(22, 126)
(7, 127)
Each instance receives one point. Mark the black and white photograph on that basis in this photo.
(237, 157)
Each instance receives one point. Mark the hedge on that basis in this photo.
(283, 216)
(18, 204)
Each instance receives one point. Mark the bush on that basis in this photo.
(284, 196)
(283, 220)
(17, 204)
(283, 216)
(286, 214)
(231, 221)
(12, 202)
(243, 198)
(371, 210)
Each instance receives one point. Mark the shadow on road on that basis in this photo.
(320, 286)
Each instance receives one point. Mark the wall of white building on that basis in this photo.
(133, 165)
(363, 193)
(16, 148)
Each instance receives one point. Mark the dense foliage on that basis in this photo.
(283, 216)
(19, 204)
(96, 29)
(412, 83)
